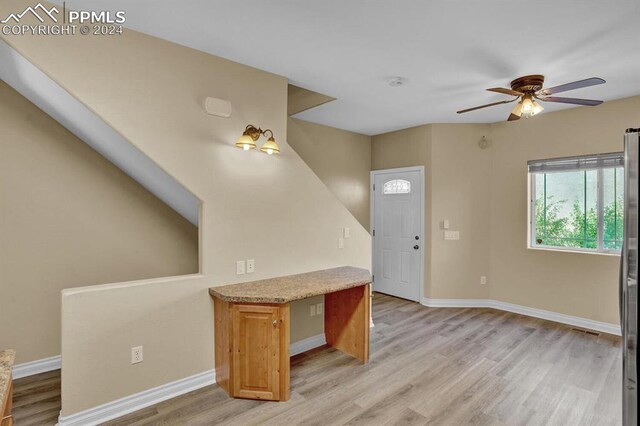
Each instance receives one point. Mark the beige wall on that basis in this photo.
(341, 159)
(456, 189)
(273, 209)
(484, 193)
(578, 284)
(404, 148)
(299, 99)
(69, 218)
(460, 193)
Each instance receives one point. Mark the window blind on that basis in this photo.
(584, 162)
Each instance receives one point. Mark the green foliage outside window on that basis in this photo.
(579, 230)
(559, 225)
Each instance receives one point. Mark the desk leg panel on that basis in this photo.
(346, 321)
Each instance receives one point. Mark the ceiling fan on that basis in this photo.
(528, 89)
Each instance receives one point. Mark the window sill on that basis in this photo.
(575, 250)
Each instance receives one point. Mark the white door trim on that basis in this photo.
(373, 174)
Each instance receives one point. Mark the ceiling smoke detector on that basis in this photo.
(396, 81)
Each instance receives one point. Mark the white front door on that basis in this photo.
(397, 232)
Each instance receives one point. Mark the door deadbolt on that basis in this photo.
(417, 238)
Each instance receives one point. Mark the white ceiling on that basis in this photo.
(449, 51)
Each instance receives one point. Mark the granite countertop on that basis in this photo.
(293, 287)
(7, 359)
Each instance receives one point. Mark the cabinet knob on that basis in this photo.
(275, 323)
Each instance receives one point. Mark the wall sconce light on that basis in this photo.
(251, 134)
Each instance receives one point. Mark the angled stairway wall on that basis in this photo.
(271, 209)
(68, 218)
(341, 159)
(63, 107)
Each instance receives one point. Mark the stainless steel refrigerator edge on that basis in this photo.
(628, 280)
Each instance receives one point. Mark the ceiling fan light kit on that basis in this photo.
(528, 91)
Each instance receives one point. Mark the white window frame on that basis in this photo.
(531, 244)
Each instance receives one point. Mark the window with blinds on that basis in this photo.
(577, 203)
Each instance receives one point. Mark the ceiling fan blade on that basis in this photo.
(575, 101)
(593, 81)
(505, 91)
(485, 106)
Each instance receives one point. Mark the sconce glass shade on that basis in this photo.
(270, 146)
(246, 142)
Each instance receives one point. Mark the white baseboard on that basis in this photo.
(589, 324)
(457, 303)
(307, 344)
(129, 404)
(36, 367)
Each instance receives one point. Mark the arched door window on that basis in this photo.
(397, 186)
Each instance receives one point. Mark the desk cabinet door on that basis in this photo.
(256, 351)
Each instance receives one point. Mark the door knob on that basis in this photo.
(416, 247)
(275, 323)
(417, 238)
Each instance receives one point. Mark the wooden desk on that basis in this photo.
(252, 324)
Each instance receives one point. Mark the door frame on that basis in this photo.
(372, 176)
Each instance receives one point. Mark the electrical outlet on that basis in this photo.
(251, 266)
(312, 310)
(340, 243)
(483, 280)
(136, 355)
(240, 267)
(319, 309)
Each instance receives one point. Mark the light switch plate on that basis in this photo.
(319, 309)
(340, 243)
(240, 267)
(445, 224)
(451, 235)
(483, 280)
(312, 310)
(346, 232)
(251, 266)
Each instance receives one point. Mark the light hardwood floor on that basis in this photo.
(438, 366)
